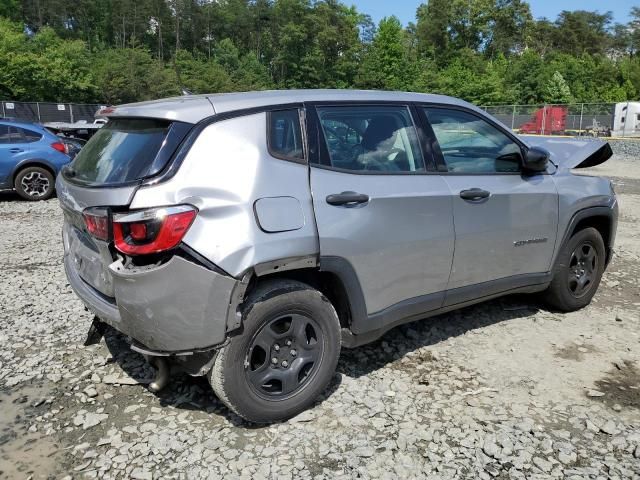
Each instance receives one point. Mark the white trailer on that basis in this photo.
(626, 120)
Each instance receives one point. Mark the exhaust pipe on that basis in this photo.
(162, 374)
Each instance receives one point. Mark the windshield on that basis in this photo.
(123, 150)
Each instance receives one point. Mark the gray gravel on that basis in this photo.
(501, 390)
(628, 148)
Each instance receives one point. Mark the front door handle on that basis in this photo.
(347, 199)
(16, 150)
(474, 194)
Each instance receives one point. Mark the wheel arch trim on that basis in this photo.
(608, 212)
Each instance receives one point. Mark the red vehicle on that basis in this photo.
(548, 120)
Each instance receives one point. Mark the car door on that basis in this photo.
(14, 147)
(379, 212)
(505, 221)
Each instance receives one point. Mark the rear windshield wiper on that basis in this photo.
(69, 171)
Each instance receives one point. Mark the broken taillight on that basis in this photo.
(97, 222)
(152, 231)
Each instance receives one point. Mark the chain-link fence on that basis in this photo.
(43, 112)
(581, 119)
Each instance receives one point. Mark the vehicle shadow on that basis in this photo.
(10, 196)
(183, 391)
(194, 393)
(400, 341)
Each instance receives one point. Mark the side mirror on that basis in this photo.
(535, 159)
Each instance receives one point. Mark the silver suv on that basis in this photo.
(247, 237)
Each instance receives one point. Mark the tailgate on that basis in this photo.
(105, 175)
(90, 257)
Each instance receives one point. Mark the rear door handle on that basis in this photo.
(16, 150)
(347, 199)
(474, 194)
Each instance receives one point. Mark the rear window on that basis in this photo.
(122, 151)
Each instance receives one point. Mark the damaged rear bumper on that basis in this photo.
(176, 308)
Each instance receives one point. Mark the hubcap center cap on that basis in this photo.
(283, 357)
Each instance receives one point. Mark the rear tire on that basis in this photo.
(577, 272)
(34, 183)
(284, 357)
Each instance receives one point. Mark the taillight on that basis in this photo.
(61, 147)
(97, 222)
(152, 231)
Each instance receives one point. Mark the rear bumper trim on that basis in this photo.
(93, 300)
(175, 309)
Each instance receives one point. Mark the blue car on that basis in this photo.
(30, 158)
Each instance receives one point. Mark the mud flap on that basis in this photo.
(95, 333)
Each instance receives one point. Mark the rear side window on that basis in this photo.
(285, 135)
(29, 135)
(124, 150)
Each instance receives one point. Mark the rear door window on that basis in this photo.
(4, 134)
(11, 134)
(124, 150)
(379, 139)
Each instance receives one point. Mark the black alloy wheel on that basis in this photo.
(282, 356)
(582, 270)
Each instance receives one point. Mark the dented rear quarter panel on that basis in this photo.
(226, 171)
(173, 307)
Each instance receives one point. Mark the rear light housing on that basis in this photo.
(61, 147)
(152, 231)
(97, 222)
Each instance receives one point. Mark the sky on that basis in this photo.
(405, 10)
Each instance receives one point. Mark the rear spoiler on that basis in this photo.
(573, 152)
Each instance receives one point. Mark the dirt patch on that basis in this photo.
(576, 352)
(25, 453)
(621, 386)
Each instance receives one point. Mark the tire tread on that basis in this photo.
(266, 291)
(557, 295)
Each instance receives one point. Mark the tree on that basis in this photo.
(432, 29)
(385, 65)
(486, 51)
(634, 30)
(511, 23)
(557, 90)
(200, 76)
(43, 67)
(126, 75)
(542, 37)
(582, 32)
(10, 9)
(448, 26)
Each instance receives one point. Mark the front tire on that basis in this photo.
(34, 183)
(285, 356)
(577, 272)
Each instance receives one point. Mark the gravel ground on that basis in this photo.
(505, 389)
